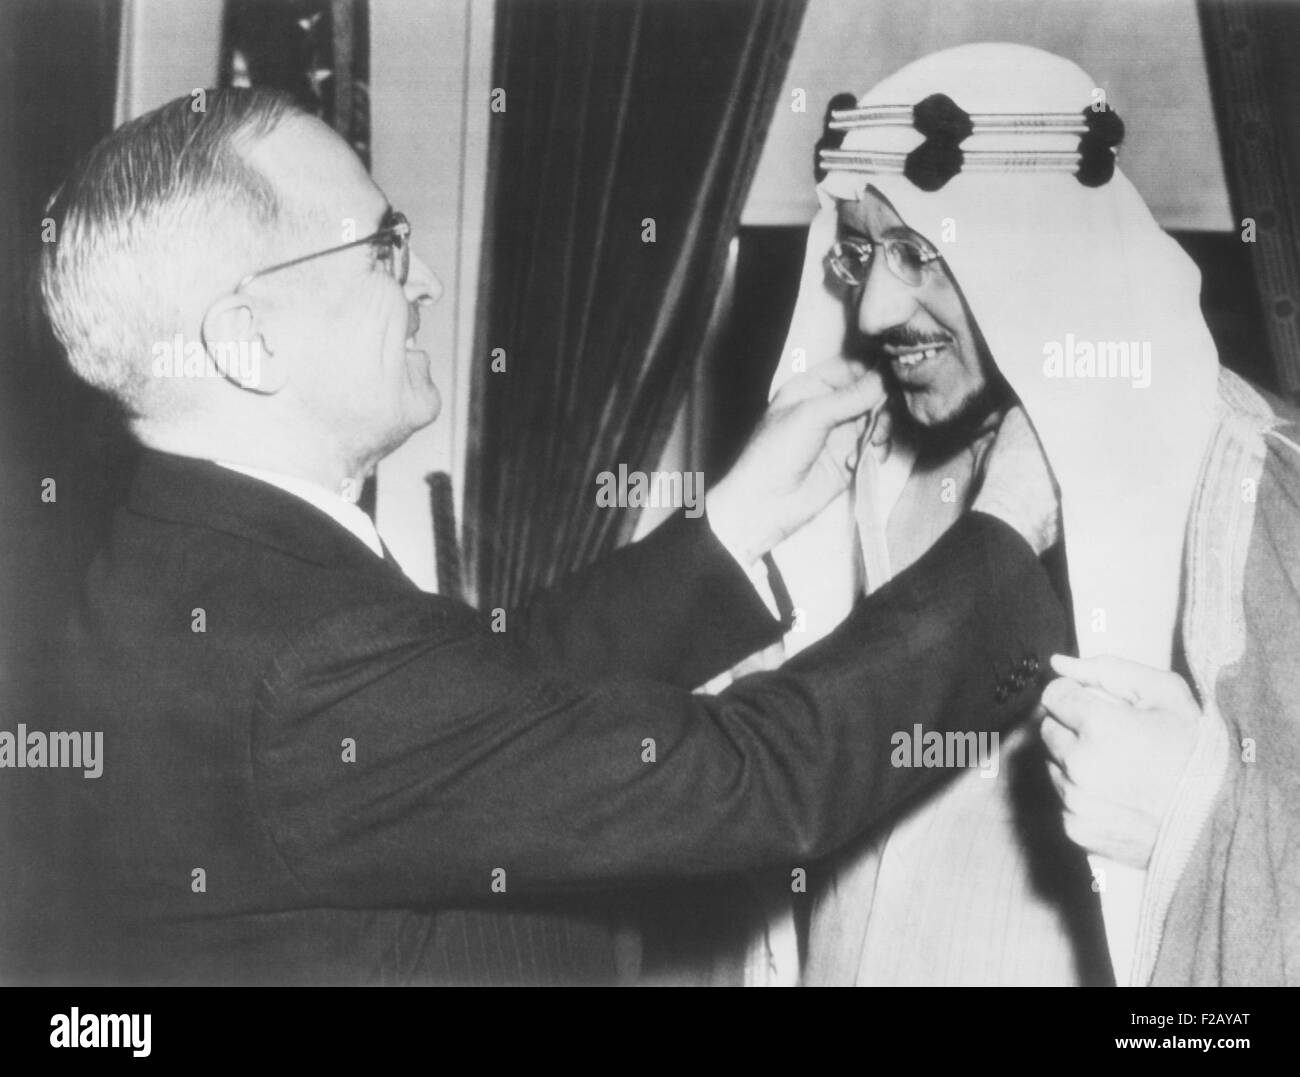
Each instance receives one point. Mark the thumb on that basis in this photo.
(851, 401)
(1140, 685)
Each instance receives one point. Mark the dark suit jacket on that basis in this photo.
(505, 784)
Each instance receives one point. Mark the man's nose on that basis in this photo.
(885, 301)
(422, 285)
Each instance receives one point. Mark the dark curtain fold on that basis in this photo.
(1250, 53)
(58, 75)
(618, 118)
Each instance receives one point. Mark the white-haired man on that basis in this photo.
(315, 773)
(978, 242)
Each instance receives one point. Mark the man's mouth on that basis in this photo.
(913, 355)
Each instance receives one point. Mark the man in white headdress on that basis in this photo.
(977, 240)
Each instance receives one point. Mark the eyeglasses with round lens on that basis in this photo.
(850, 260)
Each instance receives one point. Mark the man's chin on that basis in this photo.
(928, 411)
(413, 420)
(933, 425)
(424, 400)
(934, 411)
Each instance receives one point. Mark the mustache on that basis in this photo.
(903, 336)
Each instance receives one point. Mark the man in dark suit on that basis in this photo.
(313, 772)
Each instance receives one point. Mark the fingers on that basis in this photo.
(832, 393)
(1106, 672)
(852, 401)
(828, 375)
(1140, 685)
(1081, 708)
(1058, 739)
(837, 373)
(1059, 782)
(836, 472)
(843, 443)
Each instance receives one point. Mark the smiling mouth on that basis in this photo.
(909, 358)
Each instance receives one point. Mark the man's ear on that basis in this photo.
(237, 347)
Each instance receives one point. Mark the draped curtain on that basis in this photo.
(1250, 51)
(624, 139)
(58, 71)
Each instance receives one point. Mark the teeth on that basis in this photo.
(912, 358)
